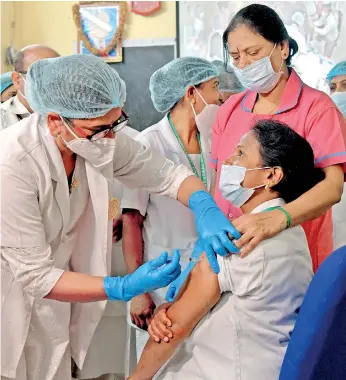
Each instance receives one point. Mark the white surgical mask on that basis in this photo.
(205, 119)
(339, 98)
(99, 153)
(231, 178)
(260, 75)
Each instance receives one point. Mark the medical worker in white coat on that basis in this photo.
(336, 79)
(247, 312)
(186, 89)
(17, 108)
(57, 169)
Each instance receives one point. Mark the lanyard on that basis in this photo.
(201, 160)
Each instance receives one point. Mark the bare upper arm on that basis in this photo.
(335, 177)
(213, 182)
(132, 217)
(201, 293)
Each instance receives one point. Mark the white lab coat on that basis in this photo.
(245, 336)
(168, 224)
(110, 334)
(11, 112)
(339, 222)
(36, 248)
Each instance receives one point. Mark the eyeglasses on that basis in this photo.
(105, 129)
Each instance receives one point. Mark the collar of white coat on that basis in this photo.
(53, 155)
(169, 136)
(18, 108)
(277, 202)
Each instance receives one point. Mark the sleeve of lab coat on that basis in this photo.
(137, 199)
(244, 276)
(23, 241)
(137, 166)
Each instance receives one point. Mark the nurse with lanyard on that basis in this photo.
(186, 89)
(260, 49)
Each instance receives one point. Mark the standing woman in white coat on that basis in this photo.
(186, 89)
(57, 169)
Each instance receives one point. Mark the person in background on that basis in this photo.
(110, 334)
(336, 79)
(7, 88)
(260, 51)
(57, 170)
(186, 90)
(337, 83)
(256, 298)
(228, 82)
(327, 28)
(17, 108)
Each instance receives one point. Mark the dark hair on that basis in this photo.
(264, 21)
(282, 146)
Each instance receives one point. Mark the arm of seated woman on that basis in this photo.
(201, 293)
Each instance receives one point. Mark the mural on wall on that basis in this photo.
(100, 28)
(318, 27)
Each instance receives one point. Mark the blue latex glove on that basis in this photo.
(152, 275)
(212, 227)
(176, 285)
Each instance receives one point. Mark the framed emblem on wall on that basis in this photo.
(100, 28)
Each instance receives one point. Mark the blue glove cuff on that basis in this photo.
(199, 196)
(114, 288)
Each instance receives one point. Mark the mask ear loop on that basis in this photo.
(20, 92)
(206, 104)
(282, 61)
(193, 110)
(68, 128)
(200, 96)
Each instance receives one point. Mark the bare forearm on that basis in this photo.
(132, 240)
(78, 287)
(189, 186)
(155, 355)
(185, 313)
(319, 199)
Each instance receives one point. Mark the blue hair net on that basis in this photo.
(76, 87)
(338, 69)
(169, 83)
(6, 81)
(228, 81)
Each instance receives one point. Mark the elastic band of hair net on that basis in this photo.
(338, 69)
(169, 83)
(6, 81)
(228, 81)
(76, 87)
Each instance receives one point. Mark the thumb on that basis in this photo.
(233, 231)
(171, 293)
(159, 261)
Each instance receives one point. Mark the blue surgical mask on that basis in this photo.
(339, 98)
(259, 76)
(230, 186)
